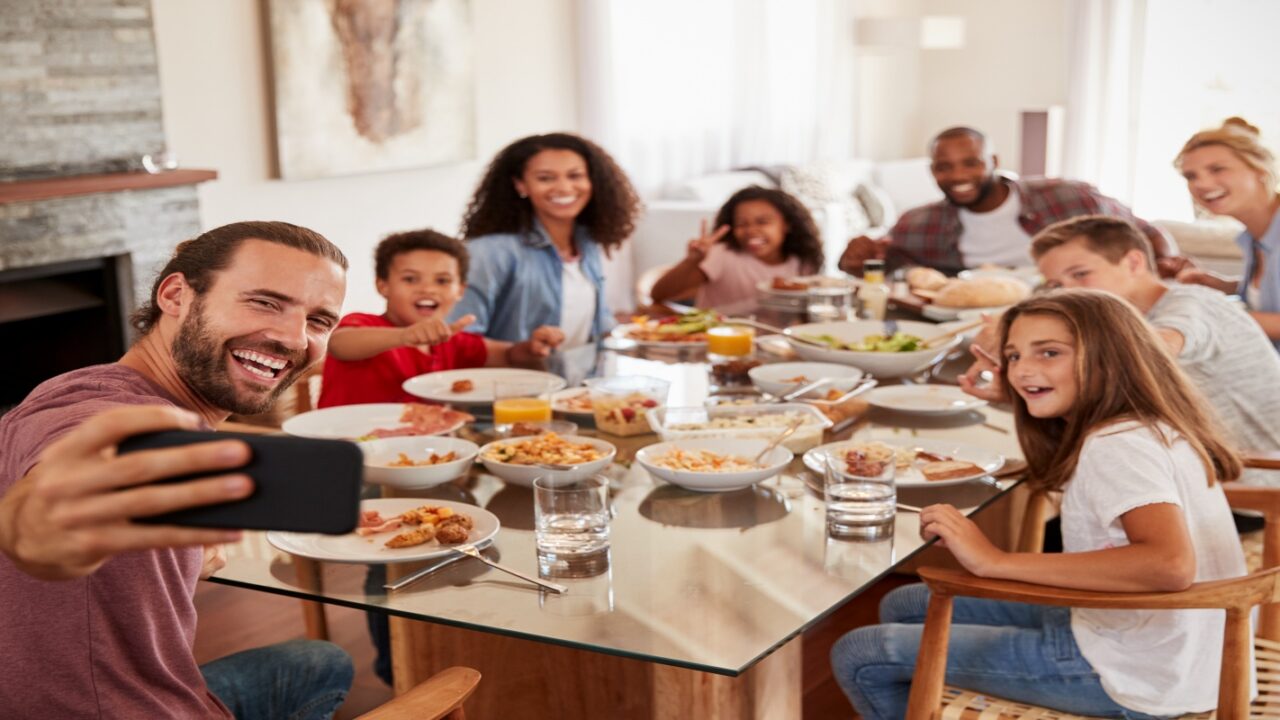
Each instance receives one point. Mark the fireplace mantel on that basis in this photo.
(47, 188)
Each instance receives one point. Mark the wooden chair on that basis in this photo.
(931, 698)
(439, 696)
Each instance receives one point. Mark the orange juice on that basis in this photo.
(730, 341)
(528, 409)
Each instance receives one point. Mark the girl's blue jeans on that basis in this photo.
(1013, 650)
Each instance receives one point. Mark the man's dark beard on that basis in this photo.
(983, 192)
(202, 366)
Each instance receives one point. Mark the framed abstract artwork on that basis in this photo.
(371, 85)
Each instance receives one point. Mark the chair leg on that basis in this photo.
(1233, 682)
(931, 662)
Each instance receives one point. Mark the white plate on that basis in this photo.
(438, 385)
(772, 378)
(924, 399)
(558, 398)
(378, 453)
(352, 548)
(623, 332)
(524, 474)
(766, 286)
(878, 364)
(775, 461)
(943, 313)
(1029, 274)
(911, 477)
(347, 422)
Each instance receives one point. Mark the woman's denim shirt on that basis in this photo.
(514, 284)
(1269, 287)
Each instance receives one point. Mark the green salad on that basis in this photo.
(897, 342)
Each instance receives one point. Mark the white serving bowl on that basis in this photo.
(773, 463)
(524, 474)
(878, 364)
(378, 453)
(772, 378)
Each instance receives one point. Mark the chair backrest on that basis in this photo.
(645, 283)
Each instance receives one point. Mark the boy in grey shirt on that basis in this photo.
(1216, 343)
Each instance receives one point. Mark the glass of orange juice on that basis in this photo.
(730, 342)
(521, 401)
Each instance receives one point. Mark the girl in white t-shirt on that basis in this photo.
(1105, 416)
(760, 234)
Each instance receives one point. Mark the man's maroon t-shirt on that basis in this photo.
(114, 644)
(379, 379)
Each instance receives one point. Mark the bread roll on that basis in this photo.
(982, 292)
(948, 469)
(925, 278)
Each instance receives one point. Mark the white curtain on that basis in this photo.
(1107, 47)
(676, 89)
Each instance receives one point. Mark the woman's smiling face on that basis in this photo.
(557, 183)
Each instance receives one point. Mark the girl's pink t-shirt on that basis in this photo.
(732, 278)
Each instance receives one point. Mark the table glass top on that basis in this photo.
(709, 581)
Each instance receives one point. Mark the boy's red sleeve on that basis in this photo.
(472, 352)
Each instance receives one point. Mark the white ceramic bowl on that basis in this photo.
(773, 463)
(773, 378)
(878, 364)
(378, 453)
(524, 474)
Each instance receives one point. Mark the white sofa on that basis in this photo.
(670, 220)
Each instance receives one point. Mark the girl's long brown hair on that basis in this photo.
(609, 217)
(1123, 372)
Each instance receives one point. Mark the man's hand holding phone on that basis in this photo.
(76, 507)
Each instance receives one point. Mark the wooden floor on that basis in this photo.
(233, 619)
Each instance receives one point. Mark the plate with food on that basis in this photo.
(871, 346)
(713, 465)
(780, 378)
(741, 421)
(620, 404)
(412, 463)
(800, 286)
(573, 401)
(920, 462)
(474, 386)
(396, 530)
(924, 399)
(684, 330)
(371, 421)
(991, 294)
(565, 457)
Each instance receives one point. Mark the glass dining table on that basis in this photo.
(700, 608)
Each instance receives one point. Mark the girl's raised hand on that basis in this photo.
(699, 246)
(961, 536)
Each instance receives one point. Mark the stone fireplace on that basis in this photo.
(82, 228)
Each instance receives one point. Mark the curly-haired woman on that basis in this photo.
(760, 234)
(546, 209)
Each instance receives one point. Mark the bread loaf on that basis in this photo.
(982, 292)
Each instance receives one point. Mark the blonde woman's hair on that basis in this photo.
(1240, 137)
(1123, 372)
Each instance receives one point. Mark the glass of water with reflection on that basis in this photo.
(861, 497)
(571, 525)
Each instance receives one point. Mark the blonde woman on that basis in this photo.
(1229, 172)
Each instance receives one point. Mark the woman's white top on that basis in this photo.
(1160, 662)
(578, 303)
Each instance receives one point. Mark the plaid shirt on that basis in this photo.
(930, 235)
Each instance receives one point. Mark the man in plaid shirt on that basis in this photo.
(986, 217)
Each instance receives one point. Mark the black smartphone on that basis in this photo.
(300, 484)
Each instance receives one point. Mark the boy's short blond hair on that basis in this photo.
(1110, 237)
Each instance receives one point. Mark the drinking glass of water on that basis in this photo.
(861, 498)
(828, 304)
(571, 526)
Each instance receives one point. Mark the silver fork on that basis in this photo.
(473, 552)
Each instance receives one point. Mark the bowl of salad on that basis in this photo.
(683, 330)
(866, 345)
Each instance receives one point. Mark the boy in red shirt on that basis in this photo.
(422, 274)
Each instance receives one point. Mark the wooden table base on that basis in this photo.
(526, 679)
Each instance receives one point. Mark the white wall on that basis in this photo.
(215, 70)
(1014, 58)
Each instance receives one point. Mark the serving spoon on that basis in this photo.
(788, 432)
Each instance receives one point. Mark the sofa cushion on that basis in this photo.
(715, 189)
(815, 186)
(1206, 238)
(908, 182)
(877, 204)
